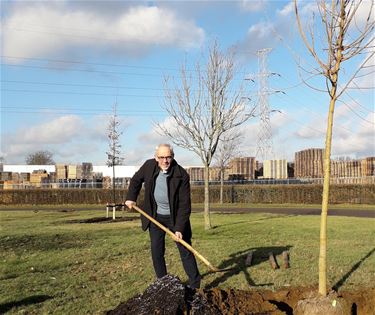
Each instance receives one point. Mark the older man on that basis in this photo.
(167, 199)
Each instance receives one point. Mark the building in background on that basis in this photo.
(309, 163)
(74, 171)
(61, 172)
(277, 169)
(244, 166)
(346, 168)
(368, 166)
(308, 166)
(197, 173)
(62, 176)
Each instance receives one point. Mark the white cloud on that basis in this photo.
(57, 131)
(367, 127)
(69, 138)
(252, 6)
(351, 136)
(365, 77)
(260, 31)
(46, 29)
(268, 33)
(363, 12)
(313, 130)
(359, 145)
(287, 9)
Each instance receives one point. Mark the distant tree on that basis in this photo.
(228, 148)
(204, 107)
(114, 152)
(40, 158)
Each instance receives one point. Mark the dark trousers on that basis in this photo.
(157, 236)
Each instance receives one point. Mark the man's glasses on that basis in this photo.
(168, 158)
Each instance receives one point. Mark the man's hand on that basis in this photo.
(177, 236)
(130, 203)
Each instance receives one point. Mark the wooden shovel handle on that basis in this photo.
(181, 241)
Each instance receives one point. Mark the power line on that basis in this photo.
(82, 85)
(82, 110)
(89, 86)
(291, 99)
(301, 83)
(49, 112)
(355, 113)
(81, 70)
(83, 63)
(78, 93)
(92, 63)
(360, 117)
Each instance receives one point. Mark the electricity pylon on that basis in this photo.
(264, 141)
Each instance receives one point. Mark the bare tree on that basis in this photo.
(114, 153)
(344, 38)
(227, 149)
(40, 158)
(204, 108)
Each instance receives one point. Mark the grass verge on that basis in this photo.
(196, 205)
(53, 262)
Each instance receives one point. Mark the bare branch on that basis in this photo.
(307, 43)
(355, 74)
(212, 110)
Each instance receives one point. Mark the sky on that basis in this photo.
(64, 64)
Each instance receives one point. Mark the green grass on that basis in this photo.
(50, 263)
(197, 205)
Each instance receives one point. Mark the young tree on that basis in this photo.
(40, 158)
(114, 153)
(227, 149)
(344, 38)
(204, 108)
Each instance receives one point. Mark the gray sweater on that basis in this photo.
(161, 194)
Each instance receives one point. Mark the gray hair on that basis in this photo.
(166, 145)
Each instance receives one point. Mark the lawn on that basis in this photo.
(55, 262)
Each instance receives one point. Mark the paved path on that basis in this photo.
(348, 212)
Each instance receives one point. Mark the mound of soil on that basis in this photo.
(168, 296)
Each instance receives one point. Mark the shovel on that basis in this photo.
(181, 241)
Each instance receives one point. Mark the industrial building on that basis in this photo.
(63, 176)
(308, 166)
(245, 166)
(309, 163)
(277, 169)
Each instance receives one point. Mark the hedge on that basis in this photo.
(305, 194)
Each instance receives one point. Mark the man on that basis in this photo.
(167, 199)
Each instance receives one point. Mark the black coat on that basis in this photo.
(178, 183)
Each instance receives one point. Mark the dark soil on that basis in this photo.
(168, 296)
(104, 220)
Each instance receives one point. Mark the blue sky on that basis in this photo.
(65, 63)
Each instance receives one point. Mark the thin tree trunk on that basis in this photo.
(325, 198)
(207, 219)
(324, 214)
(114, 192)
(327, 162)
(113, 184)
(221, 185)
